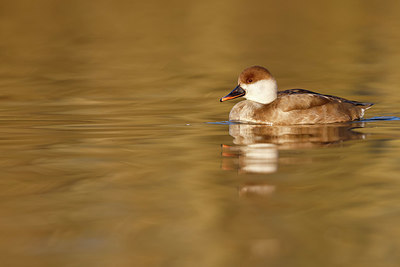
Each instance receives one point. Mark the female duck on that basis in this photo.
(265, 105)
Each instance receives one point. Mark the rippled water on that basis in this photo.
(115, 151)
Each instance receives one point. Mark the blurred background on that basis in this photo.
(114, 150)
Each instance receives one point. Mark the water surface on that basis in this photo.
(113, 150)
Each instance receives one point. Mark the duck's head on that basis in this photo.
(255, 83)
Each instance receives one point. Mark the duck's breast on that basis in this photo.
(244, 111)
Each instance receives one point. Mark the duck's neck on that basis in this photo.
(264, 91)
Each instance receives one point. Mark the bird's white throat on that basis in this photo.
(263, 91)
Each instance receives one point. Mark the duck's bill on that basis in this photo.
(237, 92)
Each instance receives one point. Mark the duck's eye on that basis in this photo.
(250, 80)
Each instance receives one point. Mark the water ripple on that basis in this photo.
(383, 118)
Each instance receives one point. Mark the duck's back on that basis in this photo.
(299, 106)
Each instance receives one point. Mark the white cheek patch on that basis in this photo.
(263, 91)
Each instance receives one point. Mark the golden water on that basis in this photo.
(113, 151)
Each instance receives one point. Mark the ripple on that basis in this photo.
(221, 122)
(383, 118)
(377, 118)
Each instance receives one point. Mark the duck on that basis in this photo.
(264, 104)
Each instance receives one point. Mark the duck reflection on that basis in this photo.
(256, 147)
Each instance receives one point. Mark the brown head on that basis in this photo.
(253, 74)
(255, 83)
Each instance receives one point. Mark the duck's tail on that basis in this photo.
(363, 108)
(363, 105)
(367, 105)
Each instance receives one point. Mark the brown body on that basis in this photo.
(299, 106)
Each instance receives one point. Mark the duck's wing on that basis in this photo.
(301, 99)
